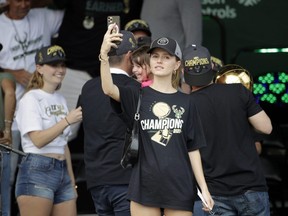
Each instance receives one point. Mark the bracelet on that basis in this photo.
(8, 121)
(101, 59)
(67, 121)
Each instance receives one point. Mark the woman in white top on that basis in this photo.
(45, 183)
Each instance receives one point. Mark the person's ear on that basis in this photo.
(39, 69)
(177, 65)
(128, 56)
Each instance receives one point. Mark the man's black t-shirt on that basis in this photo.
(104, 133)
(230, 160)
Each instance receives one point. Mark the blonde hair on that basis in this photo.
(176, 76)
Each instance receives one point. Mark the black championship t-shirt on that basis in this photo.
(169, 128)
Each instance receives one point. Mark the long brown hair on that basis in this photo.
(140, 56)
(37, 82)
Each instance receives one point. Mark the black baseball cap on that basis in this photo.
(138, 25)
(168, 44)
(197, 66)
(127, 44)
(50, 54)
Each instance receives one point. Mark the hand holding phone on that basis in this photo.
(202, 198)
(112, 20)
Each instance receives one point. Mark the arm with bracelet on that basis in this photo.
(9, 102)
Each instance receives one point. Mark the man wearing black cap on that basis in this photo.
(104, 134)
(231, 165)
(141, 31)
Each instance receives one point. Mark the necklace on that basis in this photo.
(88, 21)
(23, 42)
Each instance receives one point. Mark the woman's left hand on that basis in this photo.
(110, 40)
(210, 202)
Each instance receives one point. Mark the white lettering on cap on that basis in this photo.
(163, 41)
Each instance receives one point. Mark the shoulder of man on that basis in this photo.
(125, 80)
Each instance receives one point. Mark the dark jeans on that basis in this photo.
(247, 204)
(5, 182)
(110, 200)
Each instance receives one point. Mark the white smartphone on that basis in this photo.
(202, 198)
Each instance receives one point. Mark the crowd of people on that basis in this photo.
(63, 68)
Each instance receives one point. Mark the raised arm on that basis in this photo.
(106, 79)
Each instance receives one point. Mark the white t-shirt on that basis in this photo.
(39, 110)
(22, 38)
